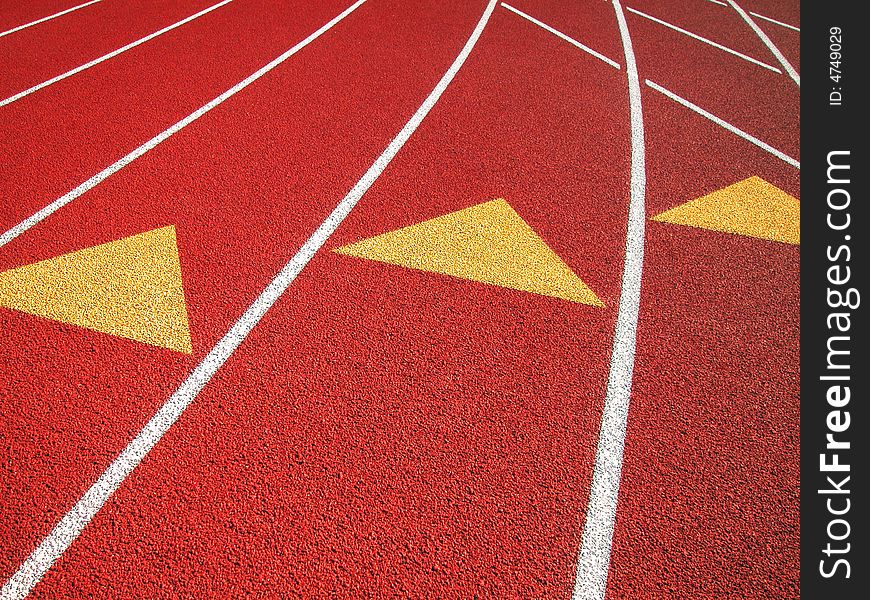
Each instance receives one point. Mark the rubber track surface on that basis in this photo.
(385, 431)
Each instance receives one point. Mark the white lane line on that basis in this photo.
(767, 42)
(705, 40)
(561, 35)
(48, 18)
(50, 209)
(774, 21)
(754, 14)
(725, 124)
(594, 559)
(106, 57)
(72, 524)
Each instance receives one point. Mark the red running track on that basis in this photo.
(391, 432)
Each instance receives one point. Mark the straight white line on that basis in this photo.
(767, 42)
(725, 124)
(754, 14)
(561, 35)
(48, 18)
(106, 57)
(774, 21)
(50, 209)
(72, 524)
(705, 40)
(593, 562)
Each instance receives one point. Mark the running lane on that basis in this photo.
(589, 25)
(710, 20)
(713, 79)
(385, 431)
(58, 137)
(787, 14)
(709, 500)
(244, 187)
(43, 51)
(18, 14)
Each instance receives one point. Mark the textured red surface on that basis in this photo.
(710, 492)
(714, 80)
(384, 421)
(60, 136)
(786, 39)
(385, 431)
(16, 14)
(250, 181)
(63, 43)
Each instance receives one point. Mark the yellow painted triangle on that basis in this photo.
(130, 288)
(752, 207)
(488, 242)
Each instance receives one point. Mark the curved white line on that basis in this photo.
(767, 42)
(48, 18)
(111, 54)
(122, 162)
(594, 560)
(74, 522)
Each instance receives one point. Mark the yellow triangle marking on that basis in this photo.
(752, 207)
(489, 243)
(130, 288)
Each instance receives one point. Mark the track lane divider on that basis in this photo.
(112, 54)
(73, 523)
(762, 17)
(775, 22)
(767, 42)
(735, 130)
(48, 18)
(705, 40)
(561, 35)
(119, 164)
(593, 562)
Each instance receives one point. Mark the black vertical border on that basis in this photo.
(826, 128)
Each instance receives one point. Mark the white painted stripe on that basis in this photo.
(774, 21)
(106, 57)
(593, 562)
(720, 3)
(754, 14)
(705, 40)
(767, 42)
(725, 124)
(48, 18)
(50, 209)
(72, 524)
(561, 35)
